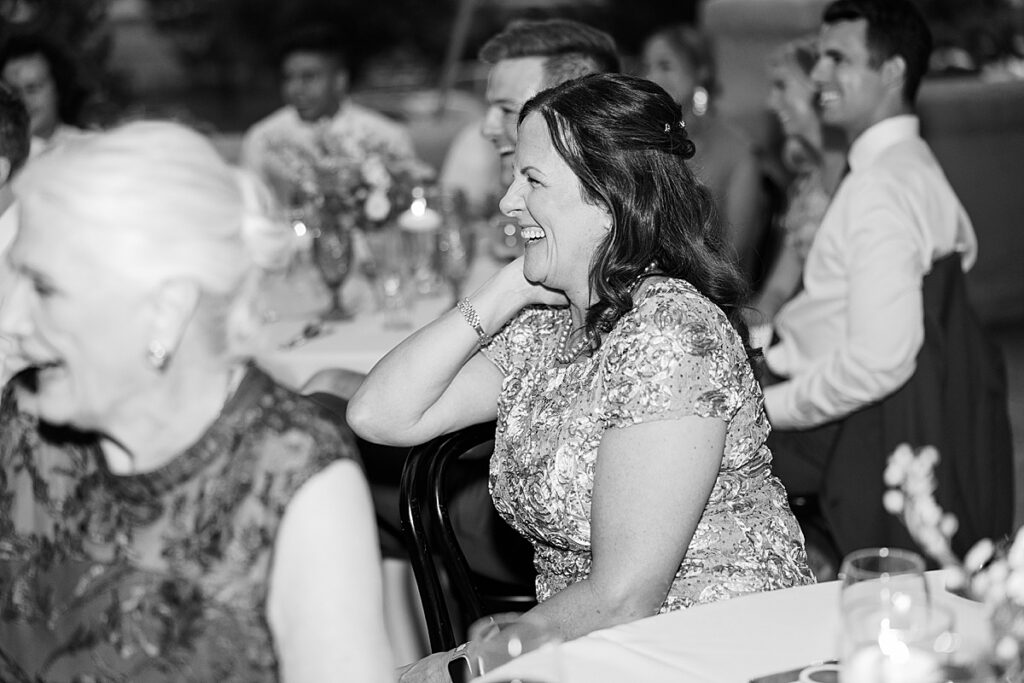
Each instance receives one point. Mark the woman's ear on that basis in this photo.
(5, 170)
(174, 305)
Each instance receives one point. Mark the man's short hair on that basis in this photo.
(894, 28)
(316, 38)
(571, 49)
(15, 140)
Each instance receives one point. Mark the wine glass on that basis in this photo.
(332, 254)
(389, 273)
(885, 604)
(499, 638)
(456, 243)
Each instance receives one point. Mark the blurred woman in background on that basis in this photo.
(44, 76)
(205, 524)
(815, 156)
(679, 59)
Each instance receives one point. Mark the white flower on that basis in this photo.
(1016, 554)
(892, 500)
(979, 554)
(1015, 587)
(375, 172)
(949, 525)
(377, 205)
(1007, 648)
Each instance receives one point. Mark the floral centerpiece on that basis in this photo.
(362, 181)
(991, 572)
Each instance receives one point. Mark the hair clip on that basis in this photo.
(668, 127)
(682, 124)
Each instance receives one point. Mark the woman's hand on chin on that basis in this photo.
(512, 277)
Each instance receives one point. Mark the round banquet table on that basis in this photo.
(732, 641)
(358, 342)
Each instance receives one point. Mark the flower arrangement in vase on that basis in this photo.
(340, 188)
(363, 178)
(992, 572)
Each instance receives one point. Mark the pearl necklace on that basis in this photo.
(565, 356)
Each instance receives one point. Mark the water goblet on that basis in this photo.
(499, 638)
(389, 273)
(332, 254)
(884, 603)
(456, 244)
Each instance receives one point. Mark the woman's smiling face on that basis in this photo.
(561, 229)
(75, 319)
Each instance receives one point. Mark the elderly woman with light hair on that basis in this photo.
(202, 523)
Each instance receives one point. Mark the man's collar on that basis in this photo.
(879, 137)
(323, 119)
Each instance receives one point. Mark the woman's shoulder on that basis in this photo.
(294, 432)
(674, 308)
(666, 294)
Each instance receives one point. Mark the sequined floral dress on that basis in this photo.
(674, 355)
(155, 577)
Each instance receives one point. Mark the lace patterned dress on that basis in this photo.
(674, 355)
(161, 576)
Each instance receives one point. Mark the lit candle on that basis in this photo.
(419, 217)
(902, 665)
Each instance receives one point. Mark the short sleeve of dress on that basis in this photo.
(674, 355)
(523, 339)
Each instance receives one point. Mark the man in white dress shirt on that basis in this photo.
(850, 339)
(315, 87)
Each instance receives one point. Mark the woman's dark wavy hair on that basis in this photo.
(622, 137)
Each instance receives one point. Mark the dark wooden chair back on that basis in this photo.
(437, 557)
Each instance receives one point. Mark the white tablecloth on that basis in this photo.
(359, 342)
(732, 641)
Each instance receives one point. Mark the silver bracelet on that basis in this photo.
(469, 313)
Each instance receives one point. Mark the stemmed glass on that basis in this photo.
(332, 254)
(456, 243)
(885, 603)
(388, 270)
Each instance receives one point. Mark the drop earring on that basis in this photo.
(157, 355)
(700, 102)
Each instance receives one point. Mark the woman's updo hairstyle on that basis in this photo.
(624, 139)
(161, 204)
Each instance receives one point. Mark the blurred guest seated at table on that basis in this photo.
(14, 151)
(44, 76)
(630, 447)
(471, 167)
(529, 56)
(882, 345)
(208, 524)
(816, 157)
(315, 87)
(680, 60)
(526, 57)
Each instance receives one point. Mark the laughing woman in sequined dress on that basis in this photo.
(630, 447)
